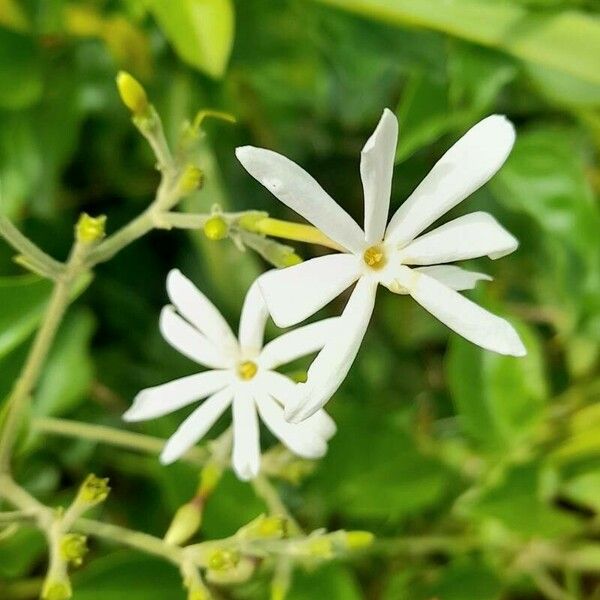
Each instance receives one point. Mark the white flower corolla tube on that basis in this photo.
(242, 375)
(397, 254)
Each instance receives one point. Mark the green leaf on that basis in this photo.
(333, 582)
(499, 399)
(200, 30)
(126, 573)
(68, 372)
(20, 552)
(566, 41)
(584, 490)
(20, 74)
(23, 299)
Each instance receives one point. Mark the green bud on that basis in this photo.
(93, 490)
(73, 547)
(199, 594)
(185, 524)
(320, 547)
(359, 539)
(216, 228)
(222, 559)
(209, 478)
(263, 527)
(132, 94)
(241, 572)
(191, 179)
(90, 229)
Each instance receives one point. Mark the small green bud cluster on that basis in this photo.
(73, 548)
(93, 491)
(264, 528)
(57, 590)
(191, 179)
(89, 230)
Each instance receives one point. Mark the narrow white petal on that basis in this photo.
(299, 342)
(253, 320)
(246, 436)
(329, 369)
(470, 163)
(189, 341)
(192, 430)
(454, 277)
(300, 440)
(296, 293)
(291, 184)
(283, 389)
(471, 236)
(376, 170)
(167, 398)
(460, 314)
(192, 304)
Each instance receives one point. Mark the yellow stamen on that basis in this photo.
(247, 370)
(374, 257)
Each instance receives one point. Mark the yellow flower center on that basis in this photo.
(247, 370)
(374, 257)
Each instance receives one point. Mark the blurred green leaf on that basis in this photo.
(584, 490)
(21, 551)
(69, 369)
(499, 399)
(20, 70)
(23, 299)
(12, 15)
(333, 582)
(200, 30)
(567, 41)
(137, 576)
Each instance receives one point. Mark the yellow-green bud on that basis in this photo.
(73, 547)
(209, 478)
(198, 594)
(222, 560)
(321, 547)
(216, 228)
(57, 590)
(184, 525)
(291, 259)
(263, 527)
(250, 220)
(191, 179)
(359, 539)
(93, 490)
(90, 229)
(132, 94)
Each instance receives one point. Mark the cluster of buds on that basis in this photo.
(90, 230)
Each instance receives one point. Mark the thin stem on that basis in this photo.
(19, 398)
(36, 257)
(546, 584)
(15, 516)
(264, 489)
(113, 437)
(134, 539)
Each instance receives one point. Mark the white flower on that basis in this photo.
(396, 256)
(242, 373)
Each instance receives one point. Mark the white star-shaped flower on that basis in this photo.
(242, 374)
(397, 255)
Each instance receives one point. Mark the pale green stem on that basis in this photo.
(19, 398)
(546, 584)
(264, 489)
(15, 516)
(37, 258)
(113, 437)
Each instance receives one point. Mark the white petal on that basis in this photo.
(164, 399)
(300, 440)
(192, 304)
(295, 293)
(329, 369)
(471, 236)
(376, 170)
(282, 388)
(470, 163)
(253, 320)
(291, 184)
(246, 439)
(460, 314)
(192, 430)
(299, 342)
(454, 277)
(189, 341)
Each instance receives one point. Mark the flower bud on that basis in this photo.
(358, 539)
(222, 559)
(57, 590)
(216, 228)
(209, 478)
(90, 229)
(93, 490)
(132, 94)
(191, 179)
(263, 527)
(73, 547)
(184, 525)
(240, 573)
(320, 547)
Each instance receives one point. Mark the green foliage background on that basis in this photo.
(437, 439)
